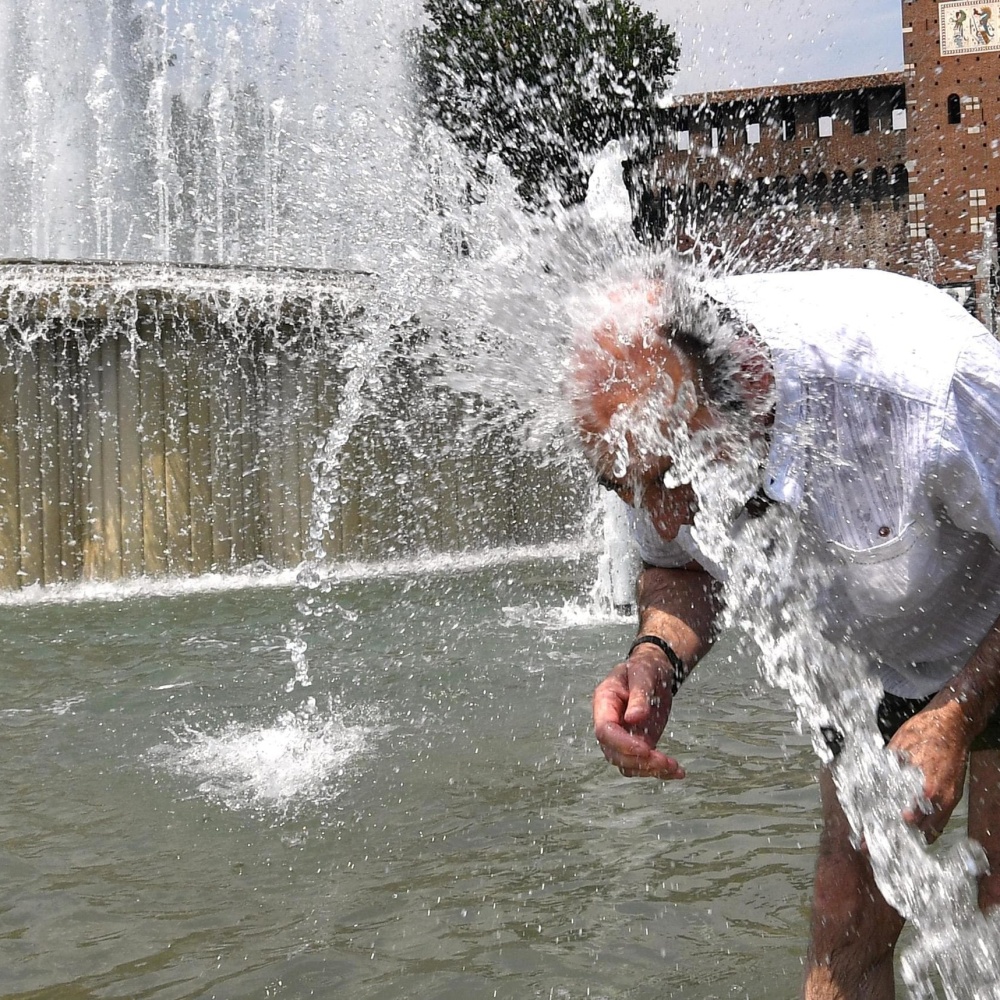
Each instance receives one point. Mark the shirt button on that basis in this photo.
(885, 531)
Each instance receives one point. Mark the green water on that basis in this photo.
(441, 826)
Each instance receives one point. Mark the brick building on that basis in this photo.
(894, 170)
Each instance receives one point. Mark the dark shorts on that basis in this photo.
(893, 711)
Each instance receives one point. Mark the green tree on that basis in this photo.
(543, 83)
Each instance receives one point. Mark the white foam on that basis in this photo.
(296, 760)
(571, 615)
(264, 579)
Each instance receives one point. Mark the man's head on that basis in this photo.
(654, 397)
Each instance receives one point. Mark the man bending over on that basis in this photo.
(867, 406)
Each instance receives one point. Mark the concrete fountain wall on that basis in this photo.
(163, 420)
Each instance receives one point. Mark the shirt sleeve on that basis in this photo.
(969, 476)
(653, 548)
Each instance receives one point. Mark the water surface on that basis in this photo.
(436, 823)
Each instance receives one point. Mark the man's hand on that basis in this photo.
(934, 741)
(631, 707)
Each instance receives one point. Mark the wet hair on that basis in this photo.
(704, 331)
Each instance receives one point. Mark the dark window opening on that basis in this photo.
(859, 187)
(900, 184)
(788, 120)
(860, 117)
(880, 184)
(702, 200)
(682, 202)
(820, 189)
(838, 191)
(720, 202)
(954, 110)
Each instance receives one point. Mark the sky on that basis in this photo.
(751, 43)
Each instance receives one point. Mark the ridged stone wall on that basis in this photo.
(159, 420)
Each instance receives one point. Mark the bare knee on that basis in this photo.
(851, 921)
(853, 929)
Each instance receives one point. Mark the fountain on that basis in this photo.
(192, 396)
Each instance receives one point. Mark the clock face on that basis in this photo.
(968, 28)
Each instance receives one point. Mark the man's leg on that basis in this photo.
(854, 930)
(984, 818)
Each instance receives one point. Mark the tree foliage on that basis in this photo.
(543, 83)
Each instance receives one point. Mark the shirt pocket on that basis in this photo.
(887, 579)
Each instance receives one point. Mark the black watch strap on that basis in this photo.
(680, 671)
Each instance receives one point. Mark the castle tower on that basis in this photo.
(951, 52)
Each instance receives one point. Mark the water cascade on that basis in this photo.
(191, 401)
(210, 133)
(166, 420)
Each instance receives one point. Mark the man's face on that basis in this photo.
(669, 506)
(647, 425)
(637, 403)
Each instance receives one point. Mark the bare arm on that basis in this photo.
(937, 739)
(632, 704)
(679, 605)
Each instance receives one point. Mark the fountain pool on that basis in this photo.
(437, 822)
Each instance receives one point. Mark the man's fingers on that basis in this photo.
(628, 720)
(924, 818)
(634, 757)
(670, 770)
(610, 701)
(617, 701)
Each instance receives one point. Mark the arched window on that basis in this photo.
(682, 201)
(780, 188)
(761, 192)
(702, 200)
(838, 190)
(899, 186)
(880, 184)
(801, 190)
(820, 187)
(954, 109)
(740, 196)
(859, 187)
(668, 200)
(657, 221)
(720, 202)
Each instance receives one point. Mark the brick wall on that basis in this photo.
(896, 170)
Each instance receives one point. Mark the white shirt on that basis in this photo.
(886, 441)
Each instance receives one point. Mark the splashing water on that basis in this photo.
(211, 132)
(554, 282)
(272, 161)
(295, 760)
